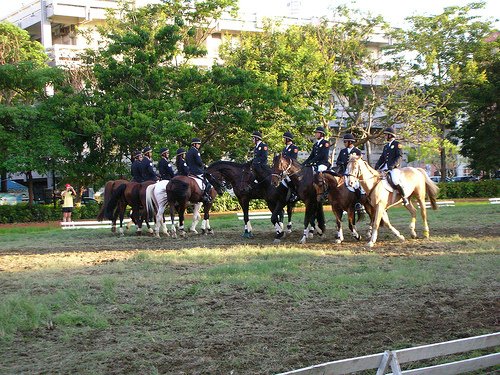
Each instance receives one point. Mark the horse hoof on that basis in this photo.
(414, 236)
(426, 234)
(276, 241)
(302, 240)
(370, 244)
(210, 231)
(338, 241)
(113, 229)
(182, 234)
(247, 235)
(401, 238)
(358, 237)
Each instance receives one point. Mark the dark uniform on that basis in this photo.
(180, 163)
(136, 168)
(290, 150)
(194, 162)
(165, 167)
(343, 158)
(147, 170)
(319, 154)
(259, 161)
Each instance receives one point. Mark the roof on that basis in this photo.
(15, 186)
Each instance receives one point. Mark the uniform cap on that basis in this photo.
(288, 135)
(180, 151)
(349, 137)
(163, 150)
(257, 134)
(146, 149)
(390, 131)
(320, 129)
(136, 153)
(195, 140)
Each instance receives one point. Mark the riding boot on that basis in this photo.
(401, 192)
(206, 193)
(359, 199)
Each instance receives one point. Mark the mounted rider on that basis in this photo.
(197, 168)
(165, 166)
(342, 161)
(318, 159)
(136, 167)
(290, 150)
(391, 157)
(147, 169)
(180, 162)
(259, 161)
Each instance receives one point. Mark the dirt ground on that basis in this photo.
(269, 335)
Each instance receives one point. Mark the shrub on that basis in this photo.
(23, 213)
(481, 189)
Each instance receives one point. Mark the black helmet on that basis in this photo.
(163, 150)
(288, 135)
(195, 140)
(180, 151)
(146, 149)
(136, 153)
(390, 131)
(257, 134)
(320, 129)
(349, 137)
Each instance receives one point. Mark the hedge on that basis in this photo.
(23, 213)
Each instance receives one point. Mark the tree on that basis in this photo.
(438, 53)
(479, 132)
(25, 144)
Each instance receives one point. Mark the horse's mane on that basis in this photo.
(224, 163)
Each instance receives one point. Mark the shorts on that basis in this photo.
(67, 209)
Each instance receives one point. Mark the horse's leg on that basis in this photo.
(308, 219)
(129, 224)
(338, 218)
(423, 212)
(289, 211)
(172, 220)
(377, 216)
(413, 213)
(196, 218)
(113, 220)
(205, 224)
(385, 218)
(245, 204)
(320, 216)
(351, 215)
(181, 211)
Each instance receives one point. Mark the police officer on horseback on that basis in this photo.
(290, 150)
(180, 162)
(165, 166)
(197, 168)
(136, 167)
(318, 159)
(259, 161)
(342, 161)
(147, 170)
(390, 159)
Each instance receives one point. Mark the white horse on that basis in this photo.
(156, 201)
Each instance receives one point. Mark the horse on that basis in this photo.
(302, 180)
(156, 201)
(182, 190)
(241, 179)
(134, 195)
(120, 206)
(341, 199)
(380, 197)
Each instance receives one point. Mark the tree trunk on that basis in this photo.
(443, 154)
(3, 185)
(29, 178)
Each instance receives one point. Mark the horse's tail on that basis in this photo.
(177, 190)
(108, 188)
(431, 189)
(113, 201)
(150, 208)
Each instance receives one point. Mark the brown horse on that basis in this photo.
(132, 194)
(120, 206)
(341, 199)
(380, 198)
(302, 180)
(182, 190)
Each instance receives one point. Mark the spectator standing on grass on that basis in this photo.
(68, 196)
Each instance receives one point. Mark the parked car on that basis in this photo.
(438, 179)
(464, 178)
(87, 200)
(10, 199)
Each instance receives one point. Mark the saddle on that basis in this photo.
(198, 180)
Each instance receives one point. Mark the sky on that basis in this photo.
(393, 11)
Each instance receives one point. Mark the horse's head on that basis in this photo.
(282, 166)
(353, 170)
(216, 183)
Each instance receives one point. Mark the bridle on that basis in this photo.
(284, 173)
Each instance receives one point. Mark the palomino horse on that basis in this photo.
(182, 190)
(241, 179)
(156, 201)
(120, 207)
(341, 199)
(379, 198)
(134, 195)
(302, 180)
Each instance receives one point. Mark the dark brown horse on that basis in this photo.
(182, 190)
(302, 180)
(120, 207)
(132, 194)
(241, 178)
(341, 199)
